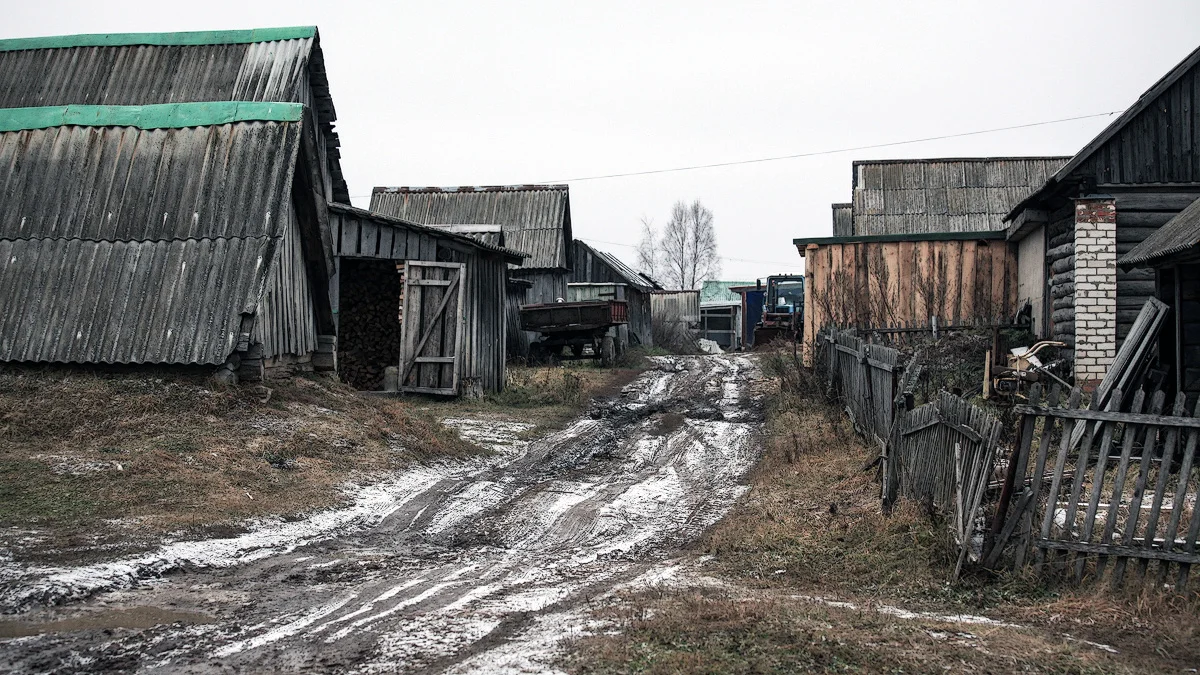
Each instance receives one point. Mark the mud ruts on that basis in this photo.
(480, 565)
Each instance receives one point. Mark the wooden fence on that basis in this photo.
(865, 377)
(942, 452)
(1123, 497)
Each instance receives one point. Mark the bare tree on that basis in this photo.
(688, 246)
(649, 258)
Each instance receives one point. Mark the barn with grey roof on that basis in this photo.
(171, 198)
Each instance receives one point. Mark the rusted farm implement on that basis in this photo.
(579, 326)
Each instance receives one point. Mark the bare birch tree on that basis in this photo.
(688, 247)
(649, 258)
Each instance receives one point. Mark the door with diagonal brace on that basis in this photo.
(432, 335)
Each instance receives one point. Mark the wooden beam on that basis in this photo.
(1107, 416)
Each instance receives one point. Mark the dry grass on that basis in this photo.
(92, 461)
(548, 396)
(811, 526)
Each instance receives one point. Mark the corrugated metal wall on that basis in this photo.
(892, 283)
(675, 306)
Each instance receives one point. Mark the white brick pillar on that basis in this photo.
(1095, 289)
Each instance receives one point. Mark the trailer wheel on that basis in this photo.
(537, 354)
(607, 351)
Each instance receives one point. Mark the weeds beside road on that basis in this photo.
(807, 575)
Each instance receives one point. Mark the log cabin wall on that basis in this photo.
(893, 283)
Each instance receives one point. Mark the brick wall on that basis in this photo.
(1095, 288)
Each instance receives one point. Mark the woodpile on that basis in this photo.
(368, 322)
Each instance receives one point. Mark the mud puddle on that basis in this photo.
(482, 565)
(123, 617)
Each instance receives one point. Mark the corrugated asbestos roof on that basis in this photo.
(943, 195)
(127, 245)
(153, 68)
(631, 276)
(536, 218)
(1178, 235)
(719, 291)
(511, 255)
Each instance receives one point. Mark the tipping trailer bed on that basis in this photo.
(576, 325)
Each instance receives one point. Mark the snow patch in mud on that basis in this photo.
(370, 504)
(497, 435)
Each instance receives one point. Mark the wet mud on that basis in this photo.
(482, 565)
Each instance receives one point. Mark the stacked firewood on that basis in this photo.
(368, 322)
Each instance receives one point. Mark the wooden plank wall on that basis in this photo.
(486, 298)
(284, 322)
(894, 283)
(485, 334)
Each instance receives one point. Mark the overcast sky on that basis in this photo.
(472, 93)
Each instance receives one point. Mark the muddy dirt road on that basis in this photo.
(471, 566)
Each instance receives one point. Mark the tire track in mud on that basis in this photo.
(481, 567)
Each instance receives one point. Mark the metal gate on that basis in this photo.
(432, 327)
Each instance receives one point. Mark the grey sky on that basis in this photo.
(457, 93)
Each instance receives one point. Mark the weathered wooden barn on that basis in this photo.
(535, 219)
(921, 238)
(1131, 179)
(594, 269)
(427, 300)
(1173, 252)
(164, 199)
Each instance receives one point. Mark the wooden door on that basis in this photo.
(431, 342)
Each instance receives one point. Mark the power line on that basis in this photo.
(828, 152)
(757, 262)
(817, 153)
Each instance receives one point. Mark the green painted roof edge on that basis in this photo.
(161, 116)
(913, 236)
(210, 37)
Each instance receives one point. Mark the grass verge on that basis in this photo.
(97, 463)
(798, 573)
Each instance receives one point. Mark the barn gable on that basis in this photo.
(147, 234)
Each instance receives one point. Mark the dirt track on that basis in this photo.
(474, 566)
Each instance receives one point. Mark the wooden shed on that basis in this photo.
(593, 266)
(535, 219)
(424, 299)
(891, 280)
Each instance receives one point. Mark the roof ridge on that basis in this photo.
(930, 160)
(528, 187)
(101, 240)
(210, 37)
(153, 116)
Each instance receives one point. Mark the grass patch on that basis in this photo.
(91, 460)
(811, 527)
(547, 396)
